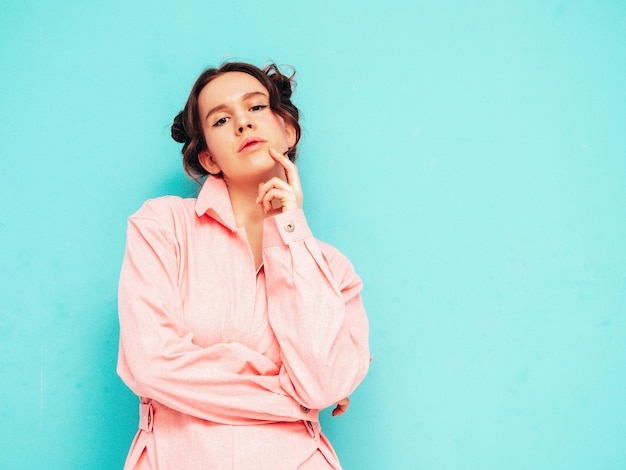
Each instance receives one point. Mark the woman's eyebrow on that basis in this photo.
(244, 97)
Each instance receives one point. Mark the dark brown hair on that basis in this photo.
(187, 125)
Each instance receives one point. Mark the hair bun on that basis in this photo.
(283, 82)
(179, 134)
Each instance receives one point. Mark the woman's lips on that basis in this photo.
(251, 143)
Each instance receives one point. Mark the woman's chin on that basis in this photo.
(268, 168)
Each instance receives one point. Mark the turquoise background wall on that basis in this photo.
(469, 157)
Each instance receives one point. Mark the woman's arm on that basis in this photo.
(314, 301)
(316, 312)
(225, 383)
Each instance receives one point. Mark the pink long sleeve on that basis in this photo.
(316, 313)
(226, 383)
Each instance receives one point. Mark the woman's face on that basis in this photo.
(239, 129)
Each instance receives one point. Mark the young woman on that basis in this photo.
(236, 325)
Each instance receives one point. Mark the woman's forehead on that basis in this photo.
(230, 86)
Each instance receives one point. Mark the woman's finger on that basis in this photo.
(291, 170)
(286, 200)
(277, 189)
(342, 407)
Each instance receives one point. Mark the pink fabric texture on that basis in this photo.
(232, 365)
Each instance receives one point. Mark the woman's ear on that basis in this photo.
(290, 132)
(207, 162)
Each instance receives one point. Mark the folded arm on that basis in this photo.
(316, 312)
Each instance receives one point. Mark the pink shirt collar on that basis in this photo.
(214, 201)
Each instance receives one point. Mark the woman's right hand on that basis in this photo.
(278, 193)
(342, 407)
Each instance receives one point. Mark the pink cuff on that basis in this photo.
(285, 228)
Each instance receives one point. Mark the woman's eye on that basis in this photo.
(220, 122)
(258, 107)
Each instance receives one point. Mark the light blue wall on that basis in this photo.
(469, 157)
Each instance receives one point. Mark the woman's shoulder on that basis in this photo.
(165, 209)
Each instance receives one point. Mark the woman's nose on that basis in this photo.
(244, 123)
(243, 126)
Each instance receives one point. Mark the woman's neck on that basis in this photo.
(245, 208)
(249, 215)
